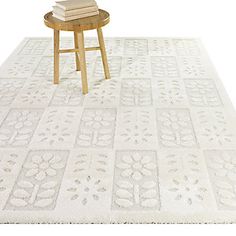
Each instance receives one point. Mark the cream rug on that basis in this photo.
(155, 144)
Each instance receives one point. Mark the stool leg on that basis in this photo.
(76, 41)
(56, 56)
(83, 62)
(103, 52)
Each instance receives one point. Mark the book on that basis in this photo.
(75, 4)
(57, 10)
(69, 18)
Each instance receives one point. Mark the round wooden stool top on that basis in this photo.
(88, 23)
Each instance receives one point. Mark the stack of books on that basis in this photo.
(75, 9)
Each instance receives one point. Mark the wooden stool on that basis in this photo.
(78, 27)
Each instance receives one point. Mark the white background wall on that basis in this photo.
(214, 21)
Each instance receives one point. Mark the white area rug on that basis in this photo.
(155, 144)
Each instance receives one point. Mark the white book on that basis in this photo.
(75, 4)
(57, 10)
(80, 16)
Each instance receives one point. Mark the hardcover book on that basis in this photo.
(59, 11)
(73, 4)
(69, 18)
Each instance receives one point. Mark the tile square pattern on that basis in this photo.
(155, 144)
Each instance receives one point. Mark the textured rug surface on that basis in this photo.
(155, 144)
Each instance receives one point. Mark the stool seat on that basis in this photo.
(87, 23)
(78, 27)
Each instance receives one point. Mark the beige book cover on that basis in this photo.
(59, 11)
(75, 4)
(69, 18)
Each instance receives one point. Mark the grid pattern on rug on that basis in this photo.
(158, 138)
